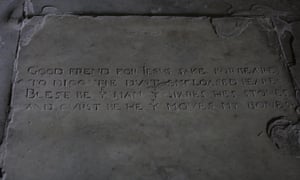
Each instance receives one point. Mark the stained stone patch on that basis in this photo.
(128, 98)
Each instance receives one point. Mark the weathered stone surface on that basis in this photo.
(9, 32)
(285, 135)
(200, 7)
(148, 98)
(288, 37)
(295, 43)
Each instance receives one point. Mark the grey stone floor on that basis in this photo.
(285, 16)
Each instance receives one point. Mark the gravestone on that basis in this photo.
(144, 98)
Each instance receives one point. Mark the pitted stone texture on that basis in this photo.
(204, 141)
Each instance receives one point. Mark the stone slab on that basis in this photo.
(128, 98)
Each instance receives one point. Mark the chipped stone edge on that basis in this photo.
(24, 38)
(3, 146)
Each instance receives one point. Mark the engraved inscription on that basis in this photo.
(147, 88)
